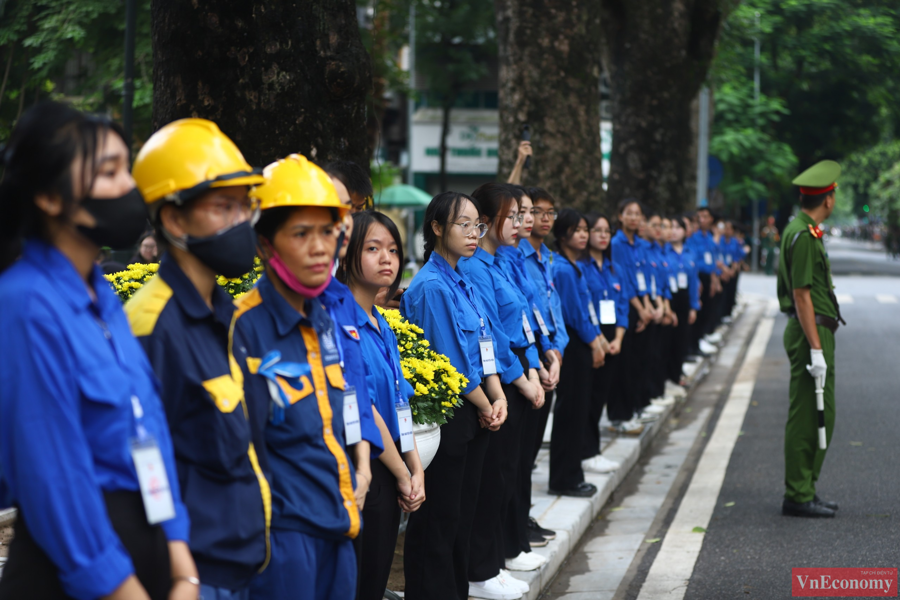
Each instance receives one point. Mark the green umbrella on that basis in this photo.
(403, 196)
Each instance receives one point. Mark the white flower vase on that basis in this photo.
(428, 438)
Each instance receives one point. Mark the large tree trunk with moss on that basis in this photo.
(278, 77)
(657, 54)
(550, 79)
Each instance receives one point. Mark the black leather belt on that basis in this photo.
(826, 322)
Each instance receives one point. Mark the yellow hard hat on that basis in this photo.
(188, 157)
(294, 181)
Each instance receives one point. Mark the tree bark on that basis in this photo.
(12, 52)
(657, 54)
(550, 79)
(277, 77)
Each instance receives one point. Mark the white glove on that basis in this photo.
(818, 368)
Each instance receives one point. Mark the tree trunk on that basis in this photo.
(657, 54)
(278, 77)
(12, 51)
(550, 79)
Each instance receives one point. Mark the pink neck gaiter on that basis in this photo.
(285, 275)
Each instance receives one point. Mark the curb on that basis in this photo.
(571, 517)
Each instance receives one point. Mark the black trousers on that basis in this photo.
(680, 337)
(704, 315)
(573, 405)
(654, 373)
(436, 554)
(29, 572)
(600, 391)
(376, 542)
(487, 549)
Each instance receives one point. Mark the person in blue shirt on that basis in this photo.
(80, 412)
(449, 311)
(506, 307)
(630, 264)
(660, 331)
(195, 181)
(702, 244)
(686, 300)
(609, 302)
(373, 261)
(583, 354)
(733, 253)
(289, 354)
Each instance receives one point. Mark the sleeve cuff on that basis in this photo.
(101, 576)
(179, 528)
(512, 373)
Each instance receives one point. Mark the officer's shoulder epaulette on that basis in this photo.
(144, 308)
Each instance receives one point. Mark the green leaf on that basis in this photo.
(856, 443)
(653, 540)
(729, 504)
(698, 529)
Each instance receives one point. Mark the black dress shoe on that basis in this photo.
(805, 509)
(582, 490)
(825, 503)
(536, 540)
(547, 534)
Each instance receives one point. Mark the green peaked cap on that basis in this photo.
(820, 175)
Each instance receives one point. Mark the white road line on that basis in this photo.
(671, 570)
(885, 298)
(844, 298)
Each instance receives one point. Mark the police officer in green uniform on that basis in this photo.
(805, 294)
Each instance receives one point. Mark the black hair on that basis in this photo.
(649, 213)
(271, 220)
(38, 159)
(592, 218)
(706, 209)
(351, 265)
(810, 202)
(563, 228)
(495, 200)
(517, 191)
(537, 194)
(623, 204)
(443, 209)
(353, 176)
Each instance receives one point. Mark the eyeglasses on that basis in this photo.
(601, 231)
(516, 219)
(468, 228)
(233, 212)
(540, 214)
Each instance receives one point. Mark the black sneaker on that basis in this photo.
(547, 534)
(536, 540)
(582, 490)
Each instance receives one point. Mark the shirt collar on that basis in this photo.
(806, 219)
(360, 318)
(484, 256)
(57, 266)
(286, 317)
(526, 248)
(620, 235)
(441, 263)
(188, 297)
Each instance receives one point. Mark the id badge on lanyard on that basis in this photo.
(653, 285)
(526, 326)
(151, 471)
(673, 284)
(607, 312)
(540, 320)
(641, 281)
(352, 428)
(488, 363)
(682, 280)
(593, 313)
(405, 422)
(707, 258)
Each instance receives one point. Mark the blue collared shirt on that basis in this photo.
(603, 284)
(629, 261)
(227, 499)
(341, 304)
(70, 367)
(659, 269)
(305, 458)
(436, 302)
(705, 249)
(685, 262)
(541, 269)
(383, 372)
(573, 290)
(513, 264)
(505, 305)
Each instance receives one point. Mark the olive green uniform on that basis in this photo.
(805, 264)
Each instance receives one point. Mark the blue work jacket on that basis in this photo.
(628, 259)
(541, 270)
(573, 290)
(685, 262)
(603, 284)
(705, 249)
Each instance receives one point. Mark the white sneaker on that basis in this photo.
(631, 427)
(707, 348)
(599, 464)
(646, 417)
(654, 409)
(689, 369)
(663, 401)
(507, 578)
(493, 589)
(675, 390)
(525, 561)
(727, 320)
(714, 338)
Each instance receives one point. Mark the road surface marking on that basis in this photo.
(886, 298)
(844, 298)
(671, 570)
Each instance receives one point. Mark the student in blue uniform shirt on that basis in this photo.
(449, 310)
(195, 182)
(733, 253)
(659, 331)
(373, 261)
(289, 350)
(583, 354)
(80, 412)
(507, 308)
(628, 261)
(702, 244)
(610, 305)
(685, 301)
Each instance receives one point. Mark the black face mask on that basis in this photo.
(119, 221)
(229, 253)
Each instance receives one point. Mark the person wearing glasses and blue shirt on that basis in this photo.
(448, 309)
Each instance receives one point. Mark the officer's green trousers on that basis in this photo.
(802, 456)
